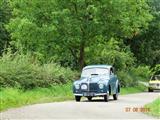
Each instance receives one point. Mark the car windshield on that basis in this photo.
(156, 77)
(94, 71)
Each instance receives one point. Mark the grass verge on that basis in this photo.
(154, 108)
(131, 90)
(13, 97)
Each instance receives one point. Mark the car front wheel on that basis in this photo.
(106, 98)
(78, 98)
(115, 96)
(150, 90)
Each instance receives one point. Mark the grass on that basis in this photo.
(154, 108)
(131, 90)
(13, 97)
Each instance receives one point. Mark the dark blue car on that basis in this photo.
(97, 80)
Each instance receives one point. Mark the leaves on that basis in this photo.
(68, 31)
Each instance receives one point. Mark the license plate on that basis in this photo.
(88, 94)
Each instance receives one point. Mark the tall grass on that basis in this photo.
(131, 90)
(14, 97)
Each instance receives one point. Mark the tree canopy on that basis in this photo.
(74, 32)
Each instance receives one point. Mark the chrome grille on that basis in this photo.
(93, 87)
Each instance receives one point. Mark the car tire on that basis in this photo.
(89, 98)
(150, 90)
(115, 96)
(78, 98)
(106, 97)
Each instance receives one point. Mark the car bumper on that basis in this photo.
(154, 88)
(90, 94)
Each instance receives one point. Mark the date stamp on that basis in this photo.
(137, 109)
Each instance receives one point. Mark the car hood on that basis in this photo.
(93, 79)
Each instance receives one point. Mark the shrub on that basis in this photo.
(126, 79)
(156, 70)
(24, 71)
(133, 75)
(142, 73)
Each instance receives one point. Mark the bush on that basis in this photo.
(126, 79)
(26, 72)
(133, 75)
(156, 70)
(142, 73)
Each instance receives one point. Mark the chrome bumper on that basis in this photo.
(94, 94)
(155, 87)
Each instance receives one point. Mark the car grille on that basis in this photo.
(92, 87)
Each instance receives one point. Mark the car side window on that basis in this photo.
(111, 71)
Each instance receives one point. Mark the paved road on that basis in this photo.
(97, 109)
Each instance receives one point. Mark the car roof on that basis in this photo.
(97, 66)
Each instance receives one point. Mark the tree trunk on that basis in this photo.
(81, 57)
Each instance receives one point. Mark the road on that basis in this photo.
(96, 109)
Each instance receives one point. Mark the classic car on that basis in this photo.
(154, 83)
(97, 80)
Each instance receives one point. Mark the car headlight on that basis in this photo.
(77, 86)
(101, 86)
(84, 87)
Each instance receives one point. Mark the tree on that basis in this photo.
(5, 14)
(64, 29)
(156, 70)
(145, 45)
(113, 52)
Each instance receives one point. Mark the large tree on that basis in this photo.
(146, 45)
(65, 28)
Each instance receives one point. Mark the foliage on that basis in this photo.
(63, 29)
(24, 71)
(145, 45)
(126, 79)
(133, 75)
(5, 15)
(75, 33)
(154, 107)
(156, 70)
(14, 97)
(142, 73)
(111, 52)
(132, 90)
